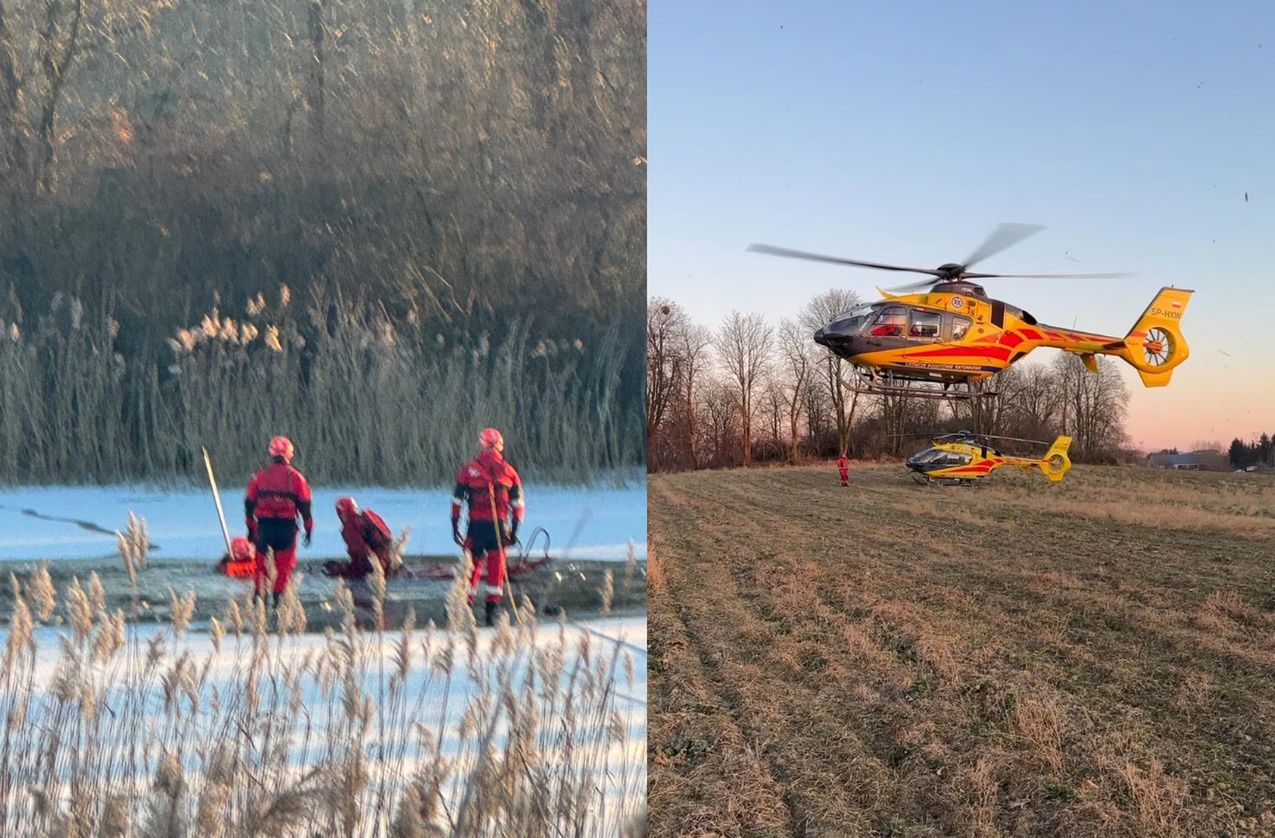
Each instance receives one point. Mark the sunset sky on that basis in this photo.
(1140, 134)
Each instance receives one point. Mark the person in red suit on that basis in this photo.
(277, 495)
(492, 491)
(366, 535)
(843, 469)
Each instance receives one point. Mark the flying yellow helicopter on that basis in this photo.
(951, 333)
(964, 457)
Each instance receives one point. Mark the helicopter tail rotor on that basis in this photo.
(1055, 464)
(1155, 346)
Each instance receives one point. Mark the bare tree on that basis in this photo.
(693, 343)
(818, 412)
(774, 406)
(13, 117)
(43, 46)
(1093, 405)
(743, 343)
(1034, 411)
(665, 367)
(987, 414)
(719, 421)
(795, 357)
(818, 313)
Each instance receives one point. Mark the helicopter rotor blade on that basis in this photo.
(1020, 439)
(1004, 236)
(914, 286)
(834, 260)
(1047, 276)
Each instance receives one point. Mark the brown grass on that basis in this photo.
(1014, 658)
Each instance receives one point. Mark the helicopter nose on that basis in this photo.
(839, 342)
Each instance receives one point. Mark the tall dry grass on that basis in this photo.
(366, 398)
(368, 731)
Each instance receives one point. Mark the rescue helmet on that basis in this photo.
(241, 549)
(491, 438)
(345, 507)
(281, 446)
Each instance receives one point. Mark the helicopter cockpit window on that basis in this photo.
(853, 321)
(925, 324)
(960, 325)
(892, 321)
(940, 458)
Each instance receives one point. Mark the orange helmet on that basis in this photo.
(241, 549)
(491, 438)
(281, 446)
(345, 506)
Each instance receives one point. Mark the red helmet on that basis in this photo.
(491, 438)
(345, 506)
(281, 446)
(241, 549)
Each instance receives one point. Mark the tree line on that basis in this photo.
(755, 390)
(462, 170)
(1259, 452)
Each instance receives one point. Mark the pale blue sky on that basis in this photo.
(903, 132)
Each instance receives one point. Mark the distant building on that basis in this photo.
(1192, 461)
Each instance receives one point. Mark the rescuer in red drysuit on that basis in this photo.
(843, 469)
(276, 496)
(366, 535)
(492, 490)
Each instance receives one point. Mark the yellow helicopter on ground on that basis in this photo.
(963, 457)
(952, 333)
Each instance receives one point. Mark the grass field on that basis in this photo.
(1013, 658)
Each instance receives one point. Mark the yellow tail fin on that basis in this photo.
(1154, 346)
(1055, 464)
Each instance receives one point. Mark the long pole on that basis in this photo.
(221, 514)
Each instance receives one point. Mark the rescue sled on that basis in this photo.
(237, 570)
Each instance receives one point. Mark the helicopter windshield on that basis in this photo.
(853, 321)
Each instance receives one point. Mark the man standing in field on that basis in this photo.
(843, 469)
(366, 535)
(276, 496)
(492, 490)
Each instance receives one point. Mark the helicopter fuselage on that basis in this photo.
(955, 333)
(968, 460)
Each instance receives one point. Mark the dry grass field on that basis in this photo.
(1013, 658)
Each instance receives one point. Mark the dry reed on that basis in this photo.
(150, 731)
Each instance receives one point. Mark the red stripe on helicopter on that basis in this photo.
(1010, 339)
(997, 352)
(974, 469)
(1031, 334)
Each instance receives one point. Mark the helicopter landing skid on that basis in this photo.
(917, 389)
(926, 480)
